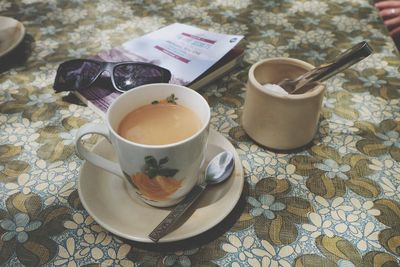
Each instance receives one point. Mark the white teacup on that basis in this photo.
(185, 156)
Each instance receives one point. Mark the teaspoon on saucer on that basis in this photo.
(319, 74)
(218, 170)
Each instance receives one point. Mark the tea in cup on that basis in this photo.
(276, 119)
(159, 123)
(159, 133)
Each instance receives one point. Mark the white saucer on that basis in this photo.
(107, 200)
(11, 34)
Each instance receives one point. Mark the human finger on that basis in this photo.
(387, 4)
(395, 31)
(394, 22)
(389, 12)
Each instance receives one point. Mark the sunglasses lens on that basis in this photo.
(128, 76)
(76, 74)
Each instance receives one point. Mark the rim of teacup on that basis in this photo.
(19, 33)
(142, 87)
(296, 62)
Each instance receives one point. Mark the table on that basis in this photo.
(333, 203)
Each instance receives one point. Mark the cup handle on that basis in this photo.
(90, 156)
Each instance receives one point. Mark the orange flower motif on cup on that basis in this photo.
(156, 181)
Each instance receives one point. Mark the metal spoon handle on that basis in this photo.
(162, 229)
(342, 62)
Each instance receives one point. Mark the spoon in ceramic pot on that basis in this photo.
(218, 170)
(319, 74)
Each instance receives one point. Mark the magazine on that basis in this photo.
(194, 57)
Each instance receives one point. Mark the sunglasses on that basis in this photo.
(81, 73)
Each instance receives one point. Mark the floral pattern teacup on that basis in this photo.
(160, 174)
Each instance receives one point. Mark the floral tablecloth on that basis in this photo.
(334, 203)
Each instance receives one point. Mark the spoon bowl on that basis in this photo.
(219, 168)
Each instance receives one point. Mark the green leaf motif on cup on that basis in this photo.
(152, 168)
(156, 181)
(171, 100)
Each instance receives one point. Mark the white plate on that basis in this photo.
(107, 200)
(11, 34)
